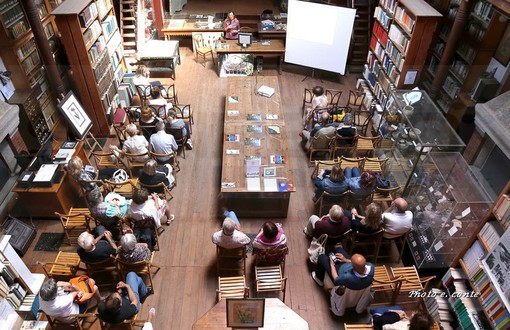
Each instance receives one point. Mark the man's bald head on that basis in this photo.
(400, 204)
(358, 263)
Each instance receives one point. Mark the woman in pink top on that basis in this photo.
(319, 101)
(231, 26)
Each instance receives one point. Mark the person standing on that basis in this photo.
(231, 26)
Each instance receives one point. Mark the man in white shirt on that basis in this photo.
(230, 237)
(397, 220)
(162, 143)
(134, 144)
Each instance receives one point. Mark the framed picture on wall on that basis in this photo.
(502, 54)
(245, 313)
(75, 115)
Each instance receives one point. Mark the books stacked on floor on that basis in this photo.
(491, 301)
(439, 308)
(490, 234)
(472, 258)
(469, 313)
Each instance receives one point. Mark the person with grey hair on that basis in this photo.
(130, 251)
(134, 144)
(335, 223)
(99, 248)
(346, 130)
(324, 128)
(107, 212)
(230, 236)
(152, 174)
(163, 143)
(57, 299)
(172, 122)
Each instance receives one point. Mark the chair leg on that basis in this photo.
(212, 56)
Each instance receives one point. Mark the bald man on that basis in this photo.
(352, 272)
(397, 220)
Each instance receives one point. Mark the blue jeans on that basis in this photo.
(352, 172)
(137, 285)
(232, 215)
(382, 310)
(323, 265)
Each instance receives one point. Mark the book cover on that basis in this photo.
(282, 185)
(273, 129)
(270, 116)
(232, 137)
(265, 91)
(277, 159)
(248, 157)
(233, 99)
(252, 142)
(254, 128)
(232, 113)
(254, 116)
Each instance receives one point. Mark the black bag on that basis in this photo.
(381, 183)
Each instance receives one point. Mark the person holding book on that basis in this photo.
(332, 181)
(231, 26)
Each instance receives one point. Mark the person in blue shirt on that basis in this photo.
(361, 184)
(352, 272)
(332, 181)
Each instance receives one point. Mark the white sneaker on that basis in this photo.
(189, 145)
(319, 282)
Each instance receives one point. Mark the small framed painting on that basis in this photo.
(75, 115)
(245, 313)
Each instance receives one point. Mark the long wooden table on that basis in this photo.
(276, 48)
(176, 28)
(277, 315)
(235, 193)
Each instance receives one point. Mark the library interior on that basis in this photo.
(368, 140)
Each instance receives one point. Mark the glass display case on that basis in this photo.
(447, 202)
(413, 126)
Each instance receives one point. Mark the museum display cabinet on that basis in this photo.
(448, 204)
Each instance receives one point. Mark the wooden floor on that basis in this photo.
(185, 286)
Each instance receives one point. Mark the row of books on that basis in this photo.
(103, 7)
(93, 32)
(439, 48)
(490, 234)
(88, 15)
(444, 32)
(467, 309)
(18, 29)
(451, 87)
(399, 37)
(26, 49)
(476, 31)
(380, 32)
(396, 56)
(106, 80)
(484, 10)
(438, 307)
(12, 15)
(452, 12)
(101, 65)
(404, 19)
(382, 17)
(6, 4)
(109, 26)
(361, 85)
(472, 258)
(30, 62)
(42, 10)
(388, 5)
(434, 62)
(466, 52)
(502, 210)
(126, 93)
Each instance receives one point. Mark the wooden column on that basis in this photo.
(450, 48)
(44, 47)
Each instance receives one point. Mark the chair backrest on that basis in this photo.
(321, 142)
(358, 162)
(376, 165)
(144, 91)
(81, 321)
(103, 266)
(326, 200)
(355, 101)
(271, 256)
(332, 240)
(170, 93)
(133, 113)
(232, 287)
(182, 111)
(120, 131)
(124, 325)
(159, 110)
(198, 40)
(159, 188)
(228, 260)
(178, 134)
(333, 97)
(320, 166)
(362, 239)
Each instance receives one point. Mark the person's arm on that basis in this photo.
(390, 208)
(108, 236)
(174, 144)
(131, 294)
(98, 238)
(334, 273)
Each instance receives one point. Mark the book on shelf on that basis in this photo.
(453, 274)
(501, 206)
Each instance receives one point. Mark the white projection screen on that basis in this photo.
(318, 35)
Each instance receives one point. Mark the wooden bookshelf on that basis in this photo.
(402, 31)
(93, 45)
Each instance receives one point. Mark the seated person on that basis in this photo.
(141, 78)
(149, 206)
(163, 143)
(394, 318)
(130, 251)
(230, 236)
(352, 272)
(158, 99)
(361, 184)
(108, 211)
(346, 129)
(152, 174)
(331, 181)
(319, 101)
(172, 122)
(270, 238)
(125, 303)
(95, 249)
(335, 223)
(370, 222)
(134, 144)
(397, 219)
(147, 122)
(231, 26)
(57, 299)
(77, 170)
(324, 128)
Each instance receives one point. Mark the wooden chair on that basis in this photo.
(170, 94)
(230, 261)
(333, 97)
(135, 161)
(375, 165)
(65, 265)
(355, 101)
(232, 287)
(343, 143)
(358, 162)
(372, 241)
(131, 324)
(146, 222)
(271, 256)
(358, 326)
(400, 240)
(120, 131)
(270, 279)
(159, 110)
(74, 223)
(113, 224)
(81, 321)
(180, 138)
(307, 100)
(142, 268)
(106, 267)
(201, 49)
(125, 188)
(185, 112)
(107, 159)
(320, 143)
(367, 144)
(321, 165)
(174, 162)
(384, 283)
(161, 189)
(362, 119)
(411, 281)
(326, 200)
(144, 91)
(133, 113)
(333, 241)
(388, 195)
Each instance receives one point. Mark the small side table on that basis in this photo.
(161, 56)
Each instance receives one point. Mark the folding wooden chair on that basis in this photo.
(231, 261)
(74, 223)
(81, 321)
(142, 268)
(65, 265)
(232, 287)
(372, 241)
(321, 165)
(270, 279)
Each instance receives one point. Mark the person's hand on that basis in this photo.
(402, 314)
(108, 235)
(121, 285)
(354, 211)
(79, 295)
(341, 257)
(331, 262)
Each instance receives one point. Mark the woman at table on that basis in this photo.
(231, 26)
(77, 170)
(331, 181)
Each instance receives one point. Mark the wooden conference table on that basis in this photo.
(277, 315)
(259, 195)
(183, 28)
(276, 48)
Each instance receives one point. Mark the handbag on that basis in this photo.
(86, 286)
(317, 247)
